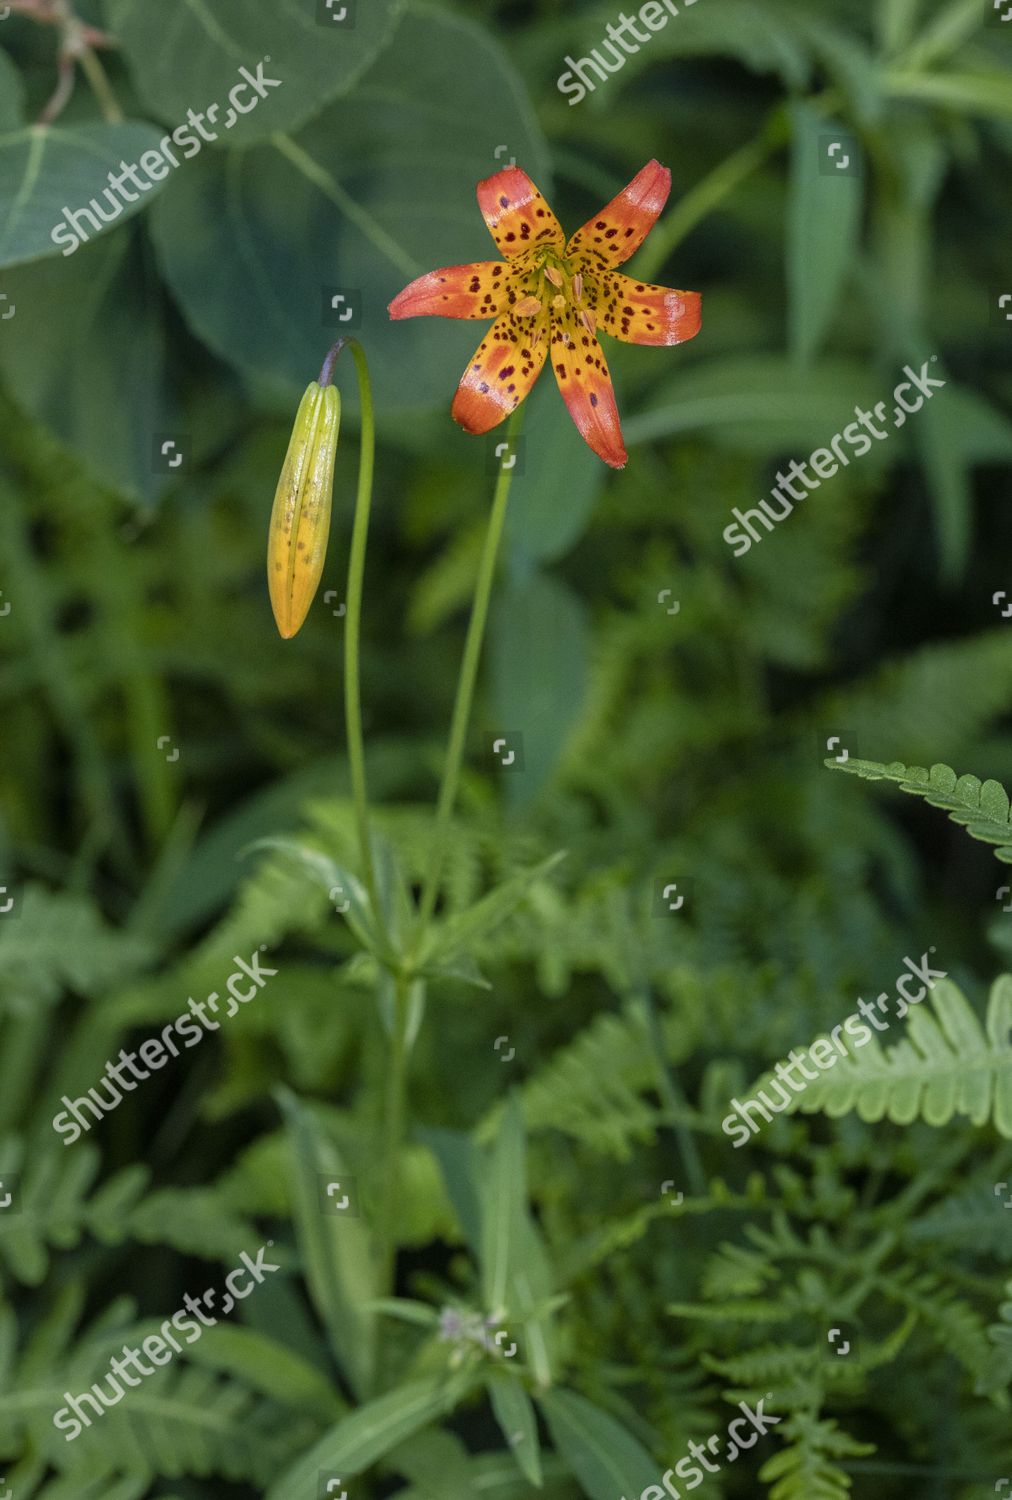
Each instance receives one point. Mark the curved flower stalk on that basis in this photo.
(550, 298)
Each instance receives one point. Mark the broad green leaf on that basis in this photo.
(539, 659)
(751, 32)
(761, 404)
(335, 1248)
(607, 1460)
(517, 1422)
(380, 188)
(95, 304)
(189, 55)
(823, 228)
(12, 95)
(552, 500)
(371, 1431)
(47, 169)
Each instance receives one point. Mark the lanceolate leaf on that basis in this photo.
(517, 1422)
(608, 1462)
(823, 227)
(335, 1247)
(370, 1432)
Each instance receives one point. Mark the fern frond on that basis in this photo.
(954, 1324)
(998, 1375)
(54, 1208)
(593, 1088)
(982, 807)
(946, 1065)
(806, 1468)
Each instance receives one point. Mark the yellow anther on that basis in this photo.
(528, 307)
(588, 320)
(559, 304)
(578, 286)
(554, 275)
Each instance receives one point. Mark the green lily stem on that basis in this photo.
(394, 1130)
(353, 616)
(465, 687)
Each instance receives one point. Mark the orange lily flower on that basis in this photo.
(550, 295)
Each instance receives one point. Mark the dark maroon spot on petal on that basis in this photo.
(600, 224)
(504, 202)
(610, 234)
(593, 399)
(483, 387)
(506, 372)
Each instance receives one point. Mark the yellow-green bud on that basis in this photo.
(300, 520)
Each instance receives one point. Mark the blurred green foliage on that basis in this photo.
(659, 747)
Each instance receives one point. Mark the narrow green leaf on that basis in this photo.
(823, 228)
(609, 1463)
(472, 926)
(504, 1207)
(369, 1433)
(517, 1422)
(335, 1247)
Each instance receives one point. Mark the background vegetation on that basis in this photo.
(658, 747)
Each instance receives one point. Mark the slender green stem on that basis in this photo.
(708, 193)
(353, 615)
(465, 686)
(394, 1123)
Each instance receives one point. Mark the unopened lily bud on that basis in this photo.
(300, 520)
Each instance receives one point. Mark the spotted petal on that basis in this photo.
(583, 379)
(638, 313)
(617, 232)
(506, 364)
(473, 291)
(516, 213)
